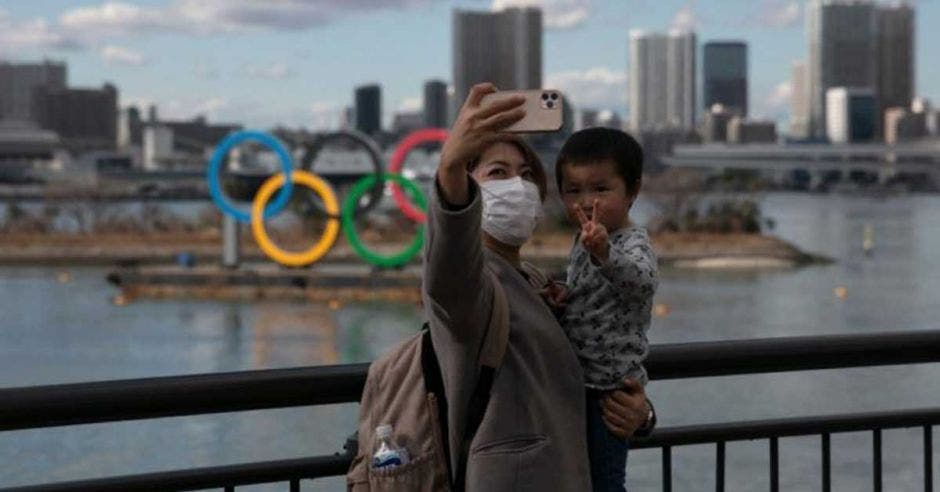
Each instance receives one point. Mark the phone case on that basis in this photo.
(543, 110)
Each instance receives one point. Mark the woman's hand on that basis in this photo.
(625, 411)
(477, 126)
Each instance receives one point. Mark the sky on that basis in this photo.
(295, 62)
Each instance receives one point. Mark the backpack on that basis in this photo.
(404, 388)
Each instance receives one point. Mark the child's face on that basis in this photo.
(584, 183)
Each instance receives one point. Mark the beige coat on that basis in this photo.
(533, 433)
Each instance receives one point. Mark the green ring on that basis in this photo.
(349, 224)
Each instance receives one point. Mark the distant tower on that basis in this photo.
(369, 109)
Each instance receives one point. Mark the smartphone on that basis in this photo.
(543, 110)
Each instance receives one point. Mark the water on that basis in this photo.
(56, 332)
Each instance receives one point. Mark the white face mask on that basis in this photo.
(511, 209)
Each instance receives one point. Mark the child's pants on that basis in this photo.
(607, 452)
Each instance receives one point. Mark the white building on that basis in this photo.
(662, 80)
(850, 114)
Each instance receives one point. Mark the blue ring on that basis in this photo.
(212, 174)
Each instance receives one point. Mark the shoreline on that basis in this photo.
(678, 250)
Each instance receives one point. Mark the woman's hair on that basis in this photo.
(528, 154)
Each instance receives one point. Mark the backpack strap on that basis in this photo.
(492, 352)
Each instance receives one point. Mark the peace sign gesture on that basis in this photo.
(593, 233)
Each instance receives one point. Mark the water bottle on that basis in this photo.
(387, 454)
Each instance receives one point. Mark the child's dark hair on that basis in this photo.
(600, 144)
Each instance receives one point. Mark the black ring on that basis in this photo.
(313, 146)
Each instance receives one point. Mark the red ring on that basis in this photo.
(413, 139)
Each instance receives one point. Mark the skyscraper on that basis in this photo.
(895, 86)
(662, 80)
(503, 47)
(799, 102)
(842, 52)
(725, 75)
(435, 104)
(18, 83)
(369, 109)
(680, 78)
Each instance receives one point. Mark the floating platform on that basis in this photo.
(329, 282)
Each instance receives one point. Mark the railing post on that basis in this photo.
(667, 469)
(295, 485)
(876, 460)
(774, 465)
(720, 466)
(826, 482)
(928, 458)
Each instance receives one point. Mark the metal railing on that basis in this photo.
(111, 401)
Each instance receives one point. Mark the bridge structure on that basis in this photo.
(885, 161)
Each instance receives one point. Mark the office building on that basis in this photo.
(851, 115)
(895, 85)
(902, 125)
(662, 80)
(18, 82)
(369, 109)
(715, 126)
(503, 47)
(799, 102)
(435, 104)
(86, 119)
(724, 72)
(842, 52)
(747, 131)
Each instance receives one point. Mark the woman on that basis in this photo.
(532, 436)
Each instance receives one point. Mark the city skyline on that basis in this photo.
(288, 68)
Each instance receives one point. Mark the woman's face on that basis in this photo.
(503, 161)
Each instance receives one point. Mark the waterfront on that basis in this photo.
(60, 326)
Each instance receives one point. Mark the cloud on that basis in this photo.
(685, 19)
(598, 87)
(779, 14)
(410, 105)
(213, 108)
(116, 55)
(326, 115)
(557, 14)
(32, 33)
(775, 105)
(274, 71)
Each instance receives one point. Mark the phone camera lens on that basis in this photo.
(554, 96)
(544, 96)
(550, 104)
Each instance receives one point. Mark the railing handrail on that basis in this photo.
(338, 464)
(131, 399)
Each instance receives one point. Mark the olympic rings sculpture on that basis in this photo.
(338, 216)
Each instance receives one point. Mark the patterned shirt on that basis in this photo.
(609, 308)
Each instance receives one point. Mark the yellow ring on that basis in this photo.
(321, 188)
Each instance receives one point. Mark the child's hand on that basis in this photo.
(556, 296)
(593, 234)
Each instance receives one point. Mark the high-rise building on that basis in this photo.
(369, 109)
(435, 104)
(851, 114)
(895, 84)
(902, 125)
(842, 52)
(647, 76)
(680, 79)
(18, 83)
(85, 118)
(503, 47)
(724, 69)
(799, 102)
(662, 80)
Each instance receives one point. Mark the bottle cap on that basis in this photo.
(383, 431)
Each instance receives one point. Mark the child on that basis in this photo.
(611, 279)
